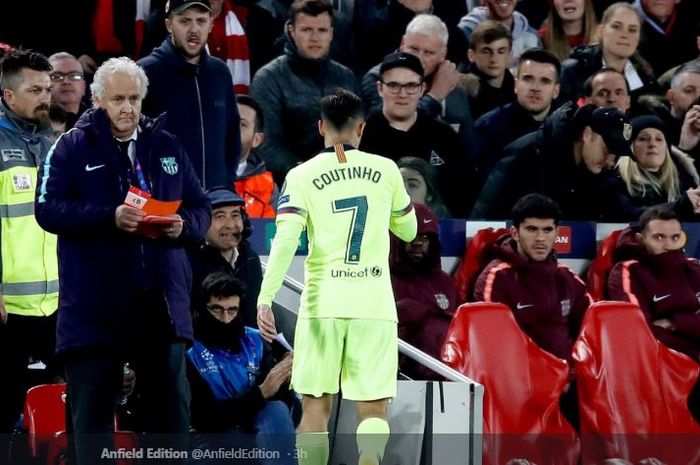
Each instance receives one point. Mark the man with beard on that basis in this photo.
(503, 11)
(68, 85)
(196, 90)
(227, 250)
(426, 296)
(29, 267)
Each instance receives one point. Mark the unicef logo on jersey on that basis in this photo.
(367, 272)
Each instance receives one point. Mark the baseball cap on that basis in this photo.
(223, 197)
(178, 6)
(401, 60)
(612, 125)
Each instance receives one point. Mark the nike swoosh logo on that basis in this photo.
(520, 306)
(427, 221)
(659, 299)
(93, 168)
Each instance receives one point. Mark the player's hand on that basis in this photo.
(127, 218)
(3, 311)
(266, 323)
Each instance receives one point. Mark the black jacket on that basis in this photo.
(543, 161)
(586, 60)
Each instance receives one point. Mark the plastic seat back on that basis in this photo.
(522, 385)
(597, 278)
(44, 415)
(632, 386)
(475, 260)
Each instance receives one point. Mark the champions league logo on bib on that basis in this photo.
(169, 165)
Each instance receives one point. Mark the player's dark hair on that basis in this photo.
(342, 109)
(535, 206)
(14, 62)
(657, 212)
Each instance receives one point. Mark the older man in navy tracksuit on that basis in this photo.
(124, 296)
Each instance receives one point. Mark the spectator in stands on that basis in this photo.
(547, 299)
(253, 180)
(570, 23)
(227, 40)
(488, 80)
(379, 36)
(29, 296)
(656, 173)
(536, 88)
(608, 88)
(427, 37)
(675, 109)
(289, 88)
(123, 295)
(660, 279)
(419, 179)
(238, 385)
(196, 90)
(619, 34)
(668, 32)
(503, 11)
(399, 130)
(568, 159)
(68, 85)
(227, 250)
(426, 296)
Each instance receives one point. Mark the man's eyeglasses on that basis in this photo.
(72, 76)
(218, 310)
(411, 88)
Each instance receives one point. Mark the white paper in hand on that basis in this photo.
(283, 341)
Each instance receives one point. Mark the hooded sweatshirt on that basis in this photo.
(665, 286)
(524, 37)
(548, 300)
(426, 297)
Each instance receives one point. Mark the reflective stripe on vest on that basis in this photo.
(29, 260)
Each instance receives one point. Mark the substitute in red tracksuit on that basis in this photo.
(426, 296)
(662, 280)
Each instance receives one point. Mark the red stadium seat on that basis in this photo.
(522, 385)
(632, 389)
(601, 265)
(45, 420)
(475, 260)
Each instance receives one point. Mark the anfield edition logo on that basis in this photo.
(367, 272)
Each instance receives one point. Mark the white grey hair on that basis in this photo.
(428, 25)
(678, 79)
(61, 56)
(121, 65)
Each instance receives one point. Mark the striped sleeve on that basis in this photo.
(486, 288)
(620, 283)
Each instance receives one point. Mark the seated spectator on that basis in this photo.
(488, 80)
(399, 129)
(536, 88)
(618, 38)
(427, 37)
(253, 181)
(548, 300)
(568, 25)
(503, 11)
(656, 173)
(227, 250)
(661, 279)
(668, 32)
(608, 88)
(238, 386)
(290, 87)
(674, 111)
(419, 179)
(68, 90)
(379, 36)
(568, 159)
(426, 296)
